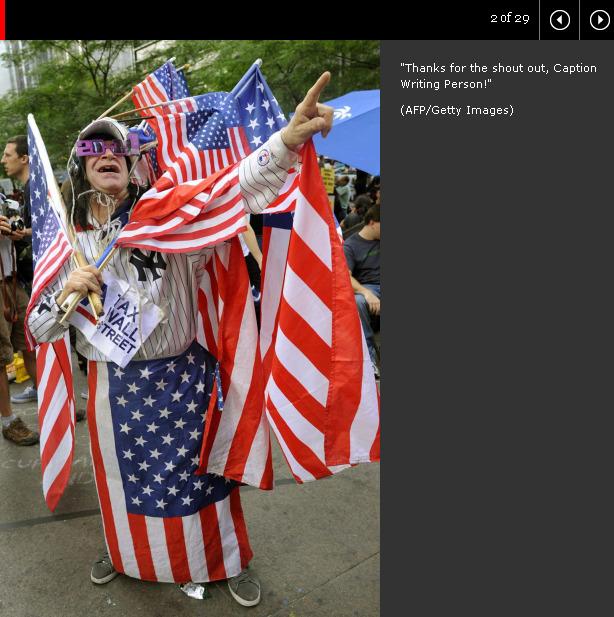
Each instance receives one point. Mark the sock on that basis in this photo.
(7, 421)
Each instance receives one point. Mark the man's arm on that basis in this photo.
(263, 173)
(372, 300)
(249, 237)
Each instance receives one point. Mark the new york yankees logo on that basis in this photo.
(151, 262)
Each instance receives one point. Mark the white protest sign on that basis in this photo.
(128, 320)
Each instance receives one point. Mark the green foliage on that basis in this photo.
(77, 82)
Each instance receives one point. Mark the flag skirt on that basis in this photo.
(161, 521)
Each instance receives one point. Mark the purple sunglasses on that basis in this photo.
(97, 147)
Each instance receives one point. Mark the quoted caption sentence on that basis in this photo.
(474, 76)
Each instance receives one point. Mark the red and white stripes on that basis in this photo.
(187, 217)
(321, 397)
(56, 417)
(236, 443)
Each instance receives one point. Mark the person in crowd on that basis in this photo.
(103, 198)
(14, 303)
(363, 258)
(361, 181)
(342, 191)
(16, 164)
(373, 188)
(357, 212)
(337, 209)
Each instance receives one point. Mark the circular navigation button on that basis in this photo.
(560, 19)
(600, 19)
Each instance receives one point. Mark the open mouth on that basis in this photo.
(110, 168)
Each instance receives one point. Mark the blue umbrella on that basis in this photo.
(354, 139)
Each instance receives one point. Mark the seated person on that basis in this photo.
(362, 255)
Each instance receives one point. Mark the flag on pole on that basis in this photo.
(51, 248)
(212, 132)
(165, 84)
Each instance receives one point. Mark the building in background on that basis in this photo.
(20, 77)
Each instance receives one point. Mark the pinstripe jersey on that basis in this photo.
(170, 280)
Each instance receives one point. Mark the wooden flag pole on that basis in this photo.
(80, 260)
(76, 297)
(122, 100)
(137, 109)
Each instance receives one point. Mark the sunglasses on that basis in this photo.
(97, 147)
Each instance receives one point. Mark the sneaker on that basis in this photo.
(19, 433)
(376, 371)
(84, 395)
(245, 588)
(103, 570)
(80, 415)
(27, 396)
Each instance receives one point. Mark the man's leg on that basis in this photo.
(365, 320)
(5, 403)
(13, 428)
(29, 359)
(18, 341)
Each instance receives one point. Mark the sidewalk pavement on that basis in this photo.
(316, 545)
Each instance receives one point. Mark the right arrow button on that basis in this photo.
(600, 19)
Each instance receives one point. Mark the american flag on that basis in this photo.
(51, 248)
(50, 243)
(164, 84)
(321, 398)
(236, 442)
(162, 521)
(210, 133)
(201, 140)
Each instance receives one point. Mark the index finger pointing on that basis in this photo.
(313, 94)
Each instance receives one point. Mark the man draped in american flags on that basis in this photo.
(162, 521)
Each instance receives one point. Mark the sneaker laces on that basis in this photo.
(244, 577)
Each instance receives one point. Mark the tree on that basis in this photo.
(77, 80)
(290, 67)
(74, 82)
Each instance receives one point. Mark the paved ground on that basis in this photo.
(316, 545)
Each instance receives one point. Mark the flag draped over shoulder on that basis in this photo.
(51, 249)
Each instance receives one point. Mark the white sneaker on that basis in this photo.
(84, 395)
(27, 396)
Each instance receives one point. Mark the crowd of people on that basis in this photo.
(15, 279)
